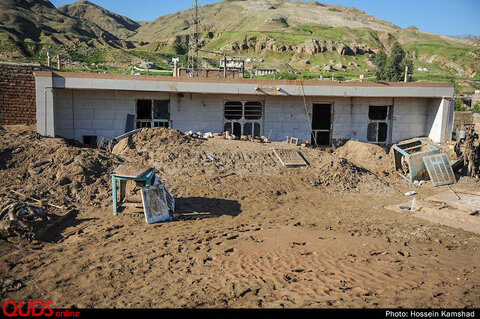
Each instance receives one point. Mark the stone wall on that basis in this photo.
(17, 93)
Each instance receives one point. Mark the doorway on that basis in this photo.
(321, 124)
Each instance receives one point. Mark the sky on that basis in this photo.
(450, 17)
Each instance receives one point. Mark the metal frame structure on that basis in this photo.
(147, 176)
(410, 154)
(193, 41)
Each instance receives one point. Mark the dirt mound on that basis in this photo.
(369, 156)
(175, 155)
(156, 137)
(53, 169)
(339, 175)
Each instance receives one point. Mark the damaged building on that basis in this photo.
(86, 107)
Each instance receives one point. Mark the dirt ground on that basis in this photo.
(265, 236)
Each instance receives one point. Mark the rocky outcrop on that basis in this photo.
(309, 47)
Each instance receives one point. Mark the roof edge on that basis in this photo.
(239, 81)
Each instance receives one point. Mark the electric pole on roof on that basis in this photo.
(193, 41)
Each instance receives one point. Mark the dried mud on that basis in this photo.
(264, 236)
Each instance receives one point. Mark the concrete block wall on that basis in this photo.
(285, 116)
(197, 112)
(17, 93)
(460, 118)
(96, 112)
(438, 120)
(411, 118)
(104, 113)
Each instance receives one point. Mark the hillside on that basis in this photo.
(40, 21)
(120, 26)
(312, 38)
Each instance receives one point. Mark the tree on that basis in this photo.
(392, 68)
(380, 60)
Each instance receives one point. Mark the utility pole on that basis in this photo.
(193, 41)
(49, 60)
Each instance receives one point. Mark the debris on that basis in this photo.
(468, 203)
(408, 158)
(466, 149)
(439, 169)
(458, 197)
(158, 203)
(414, 202)
(419, 183)
(36, 200)
(208, 135)
(18, 218)
(410, 193)
(105, 143)
(290, 157)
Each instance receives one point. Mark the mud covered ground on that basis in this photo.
(265, 236)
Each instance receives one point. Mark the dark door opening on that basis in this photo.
(321, 124)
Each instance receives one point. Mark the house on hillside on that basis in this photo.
(85, 107)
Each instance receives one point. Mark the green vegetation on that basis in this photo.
(476, 108)
(92, 39)
(460, 106)
(393, 68)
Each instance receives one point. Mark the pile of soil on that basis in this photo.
(175, 155)
(252, 232)
(339, 175)
(369, 156)
(52, 170)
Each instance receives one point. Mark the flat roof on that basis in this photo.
(69, 80)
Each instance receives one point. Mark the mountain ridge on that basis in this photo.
(285, 34)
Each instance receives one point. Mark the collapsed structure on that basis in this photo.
(86, 107)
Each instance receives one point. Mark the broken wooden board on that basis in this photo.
(468, 203)
(131, 170)
(290, 157)
(440, 214)
(439, 169)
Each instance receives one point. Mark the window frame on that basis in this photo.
(152, 122)
(243, 120)
(387, 121)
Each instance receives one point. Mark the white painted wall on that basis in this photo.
(96, 112)
(104, 113)
(439, 117)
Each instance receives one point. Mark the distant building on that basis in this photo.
(265, 71)
(476, 97)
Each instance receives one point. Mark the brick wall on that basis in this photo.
(17, 93)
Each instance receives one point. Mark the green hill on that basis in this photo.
(312, 38)
(120, 26)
